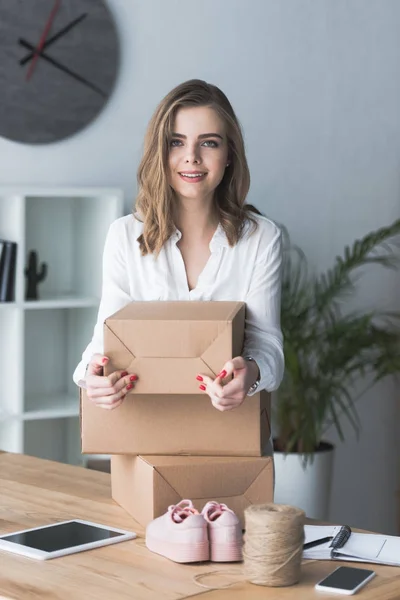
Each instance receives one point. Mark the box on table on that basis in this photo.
(168, 343)
(176, 424)
(146, 485)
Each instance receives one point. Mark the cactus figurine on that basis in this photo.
(34, 276)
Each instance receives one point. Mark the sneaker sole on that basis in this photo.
(226, 553)
(181, 553)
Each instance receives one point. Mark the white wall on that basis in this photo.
(316, 86)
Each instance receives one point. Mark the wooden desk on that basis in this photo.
(35, 492)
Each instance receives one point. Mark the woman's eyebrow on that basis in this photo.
(200, 137)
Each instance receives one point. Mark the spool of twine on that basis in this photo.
(273, 544)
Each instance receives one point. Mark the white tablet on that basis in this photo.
(59, 539)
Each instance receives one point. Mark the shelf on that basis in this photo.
(5, 415)
(73, 252)
(66, 301)
(54, 342)
(41, 341)
(52, 407)
(11, 434)
(61, 302)
(11, 362)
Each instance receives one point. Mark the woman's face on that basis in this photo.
(198, 153)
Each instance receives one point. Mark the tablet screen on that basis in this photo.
(61, 536)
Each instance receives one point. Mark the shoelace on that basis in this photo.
(179, 512)
(213, 510)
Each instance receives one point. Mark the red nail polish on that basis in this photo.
(199, 378)
(202, 387)
(133, 377)
(104, 361)
(129, 386)
(124, 373)
(222, 374)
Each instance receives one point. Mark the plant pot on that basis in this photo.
(305, 487)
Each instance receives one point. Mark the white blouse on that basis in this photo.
(249, 272)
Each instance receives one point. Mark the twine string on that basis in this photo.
(197, 578)
(273, 547)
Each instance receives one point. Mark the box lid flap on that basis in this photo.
(256, 490)
(205, 478)
(170, 339)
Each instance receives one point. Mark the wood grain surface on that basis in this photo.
(36, 492)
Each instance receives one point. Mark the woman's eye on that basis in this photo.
(207, 144)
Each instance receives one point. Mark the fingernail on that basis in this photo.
(124, 374)
(104, 361)
(133, 377)
(202, 387)
(199, 378)
(129, 386)
(222, 374)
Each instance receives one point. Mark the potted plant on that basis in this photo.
(328, 350)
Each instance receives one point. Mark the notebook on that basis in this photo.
(343, 544)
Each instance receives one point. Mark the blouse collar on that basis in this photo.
(219, 238)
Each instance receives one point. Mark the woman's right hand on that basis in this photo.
(107, 391)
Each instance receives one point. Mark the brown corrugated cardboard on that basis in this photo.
(146, 424)
(168, 343)
(146, 485)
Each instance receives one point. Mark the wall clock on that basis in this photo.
(58, 65)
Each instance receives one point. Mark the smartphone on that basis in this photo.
(345, 580)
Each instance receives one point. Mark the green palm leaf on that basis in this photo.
(326, 351)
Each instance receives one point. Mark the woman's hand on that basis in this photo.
(231, 395)
(107, 391)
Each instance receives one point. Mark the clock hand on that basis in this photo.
(61, 67)
(43, 38)
(55, 37)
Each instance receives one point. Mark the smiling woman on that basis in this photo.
(194, 128)
(193, 236)
(52, 80)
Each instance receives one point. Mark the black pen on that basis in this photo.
(317, 542)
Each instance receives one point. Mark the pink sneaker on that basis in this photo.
(224, 532)
(180, 534)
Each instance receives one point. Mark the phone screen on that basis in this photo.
(345, 578)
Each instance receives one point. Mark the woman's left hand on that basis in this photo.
(232, 394)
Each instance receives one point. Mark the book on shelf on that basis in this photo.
(335, 542)
(8, 261)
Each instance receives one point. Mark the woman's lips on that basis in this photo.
(192, 177)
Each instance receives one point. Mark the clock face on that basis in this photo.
(58, 65)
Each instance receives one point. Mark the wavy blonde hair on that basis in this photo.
(155, 197)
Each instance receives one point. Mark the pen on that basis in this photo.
(317, 542)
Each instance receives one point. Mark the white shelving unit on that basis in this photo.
(41, 341)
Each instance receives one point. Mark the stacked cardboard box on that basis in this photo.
(167, 441)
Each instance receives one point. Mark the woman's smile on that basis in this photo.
(193, 176)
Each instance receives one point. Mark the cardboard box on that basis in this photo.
(166, 424)
(146, 485)
(168, 343)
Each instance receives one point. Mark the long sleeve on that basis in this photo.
(115, 293)
(263, 335)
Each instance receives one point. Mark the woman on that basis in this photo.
(192, 237)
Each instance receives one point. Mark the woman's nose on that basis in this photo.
(193, 155)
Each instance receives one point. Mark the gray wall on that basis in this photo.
(316, 86)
